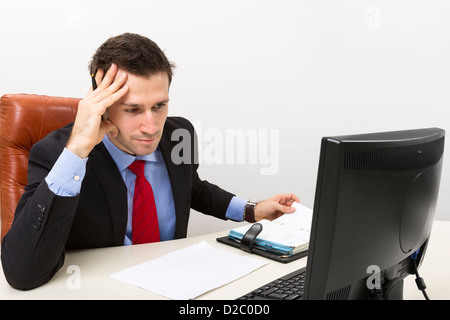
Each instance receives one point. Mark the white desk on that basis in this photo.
(95, 266)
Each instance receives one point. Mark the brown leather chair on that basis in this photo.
(24, 120)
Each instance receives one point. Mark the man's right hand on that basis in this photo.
(89, 129)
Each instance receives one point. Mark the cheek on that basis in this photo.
(162, 119)
(122, 122)
(125, 127)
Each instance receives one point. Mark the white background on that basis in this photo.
(305, 69)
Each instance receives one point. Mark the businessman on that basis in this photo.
(108, 178)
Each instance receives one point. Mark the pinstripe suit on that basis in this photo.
(45, 225)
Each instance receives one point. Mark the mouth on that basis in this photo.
(146, 140)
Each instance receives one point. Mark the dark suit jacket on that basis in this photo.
(45, 225)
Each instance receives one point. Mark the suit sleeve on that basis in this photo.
(33, 249)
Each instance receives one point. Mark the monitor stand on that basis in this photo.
(393, 290)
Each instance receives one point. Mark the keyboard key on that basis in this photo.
(277, 296)
(268, 292)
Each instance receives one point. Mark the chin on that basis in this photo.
(142, 151)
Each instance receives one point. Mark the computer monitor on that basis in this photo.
(373, 212)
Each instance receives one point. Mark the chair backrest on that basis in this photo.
(24, 120)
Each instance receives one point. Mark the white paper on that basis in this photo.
(189, 272)
(300, 219)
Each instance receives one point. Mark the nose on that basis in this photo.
(148, 123)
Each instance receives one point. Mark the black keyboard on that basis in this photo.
(288, 287)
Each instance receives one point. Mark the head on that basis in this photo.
(141, 114)
(132, 53)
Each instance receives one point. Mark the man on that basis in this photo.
(82, 179)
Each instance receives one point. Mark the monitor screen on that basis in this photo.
(375, 201)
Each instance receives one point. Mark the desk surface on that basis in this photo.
(85, 274)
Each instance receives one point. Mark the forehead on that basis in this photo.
(149, 89)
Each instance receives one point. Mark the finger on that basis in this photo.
(284, 209)
(109, 76)
(113, 98)
(285, 198)
(99, 76)
(104, 80)
(113, 88)
(291, 197)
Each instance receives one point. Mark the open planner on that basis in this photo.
(283, 239)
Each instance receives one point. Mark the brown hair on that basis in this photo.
(134, 53)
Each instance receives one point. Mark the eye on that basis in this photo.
(131, 110)
(160, 106)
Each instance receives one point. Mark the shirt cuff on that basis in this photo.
(235, 209)
(67, 174)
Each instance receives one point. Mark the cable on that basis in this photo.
(419, 281)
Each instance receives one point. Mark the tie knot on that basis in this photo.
(137, 167)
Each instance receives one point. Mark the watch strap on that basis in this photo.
(249, 211)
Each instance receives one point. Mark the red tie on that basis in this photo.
(145, 220)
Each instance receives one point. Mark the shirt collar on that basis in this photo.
(123, 159)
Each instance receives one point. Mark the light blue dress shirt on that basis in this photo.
(68, 172)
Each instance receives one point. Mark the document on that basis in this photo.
(286, 235)
(189, 272)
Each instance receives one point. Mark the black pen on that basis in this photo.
(94, 83)
(94, 86)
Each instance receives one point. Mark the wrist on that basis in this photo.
(79, 150)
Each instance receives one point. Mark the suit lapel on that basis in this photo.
(178, 176)
(105, 169)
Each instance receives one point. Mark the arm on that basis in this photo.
(210, 199)
(269, 209)
(33, 249)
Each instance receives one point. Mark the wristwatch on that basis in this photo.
(249, 211)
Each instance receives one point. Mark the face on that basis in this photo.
(140, 115)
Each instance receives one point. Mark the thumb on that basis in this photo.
(285, 209)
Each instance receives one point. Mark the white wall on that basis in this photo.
(299, 69)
